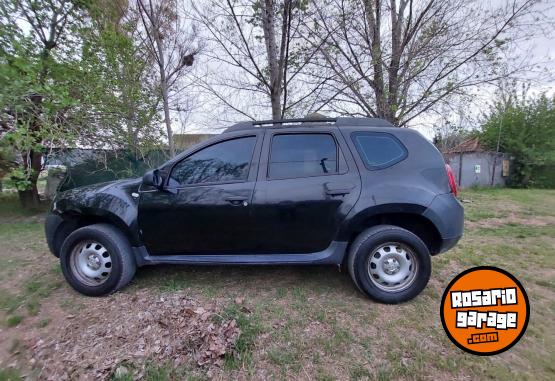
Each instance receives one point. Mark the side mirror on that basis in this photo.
(153, 178)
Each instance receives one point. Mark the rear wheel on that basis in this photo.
(97, 260)
(389, 264)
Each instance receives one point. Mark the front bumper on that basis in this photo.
(51, 225)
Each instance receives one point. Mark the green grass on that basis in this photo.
(9, 302)
(14, 320)
(10, 206)
(10, 374)
(44, 322)
(250, 327)
(311, 322)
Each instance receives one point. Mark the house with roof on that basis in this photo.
(184, 141)
(473, 165)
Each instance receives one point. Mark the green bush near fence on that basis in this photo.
(86, 167)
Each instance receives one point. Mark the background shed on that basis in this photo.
(474, 166)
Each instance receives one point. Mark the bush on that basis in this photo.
(525, 129)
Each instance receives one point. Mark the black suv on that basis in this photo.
(353, 192)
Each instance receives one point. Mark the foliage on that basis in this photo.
(119, 89)
(525, 128)
(86, 167)
(71, 75)
(18, 178)
(173, 46)
(37, 75)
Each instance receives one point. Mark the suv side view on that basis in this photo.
(354, 192)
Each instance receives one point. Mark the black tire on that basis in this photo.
(61, 234)
(122, 262)
(368, 242)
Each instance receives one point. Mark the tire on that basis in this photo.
(61, 234)
(389, 264)
(97, 260)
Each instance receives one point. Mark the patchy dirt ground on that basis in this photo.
(175, 323)
(163, 328)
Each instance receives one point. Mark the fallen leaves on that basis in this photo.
(171, 328)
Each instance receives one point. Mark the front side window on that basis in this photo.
(226, 161)
(302, 155)
(378, 150)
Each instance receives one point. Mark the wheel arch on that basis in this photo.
(406, 216)
(72, 220)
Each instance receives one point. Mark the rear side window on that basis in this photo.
(226, 161)
(378, 149)
(302, 155)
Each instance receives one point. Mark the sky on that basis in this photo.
(541, 48)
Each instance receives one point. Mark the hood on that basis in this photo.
(110, 195)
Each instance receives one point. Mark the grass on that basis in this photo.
(10, 374)
(13, 320)
(11, 207)
(311, 322)
(250, 327)
(23, 249)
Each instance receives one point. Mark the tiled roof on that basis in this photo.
(470, 145)
(183, 141)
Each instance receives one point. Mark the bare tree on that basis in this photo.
(172, 44)
(399, 59)
(261, 45)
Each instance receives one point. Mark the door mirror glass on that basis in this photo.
(153, 179)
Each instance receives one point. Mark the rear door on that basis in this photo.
(307, 183)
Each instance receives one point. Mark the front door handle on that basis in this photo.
(237, 200)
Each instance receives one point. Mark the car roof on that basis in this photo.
(316, 122)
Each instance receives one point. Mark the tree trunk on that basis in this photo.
(268, 25)
(373, 16)
(164, 88)
(167, 119)
(30, 197)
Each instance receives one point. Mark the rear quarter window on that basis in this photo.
(378, 150)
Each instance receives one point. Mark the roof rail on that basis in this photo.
(277, 123)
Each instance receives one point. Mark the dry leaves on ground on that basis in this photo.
(169, 328)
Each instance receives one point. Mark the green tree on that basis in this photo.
(524, 127)
(72, 73)
(119, 86)
(37, 73)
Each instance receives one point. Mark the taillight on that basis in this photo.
(451, 177)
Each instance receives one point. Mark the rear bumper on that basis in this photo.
(447, 244)
(447, 214)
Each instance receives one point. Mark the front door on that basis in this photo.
(206, 208)
(305, 189)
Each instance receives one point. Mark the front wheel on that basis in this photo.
(97, 260)
(389, 264)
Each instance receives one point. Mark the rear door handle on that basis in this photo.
(338, 189)
(237, 200)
